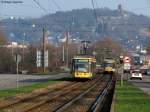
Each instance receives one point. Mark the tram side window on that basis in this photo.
(93, 66)
(73, 66)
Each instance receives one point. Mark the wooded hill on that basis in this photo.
(82, 25)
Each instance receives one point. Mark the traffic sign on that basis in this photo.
(126, 59)
(38, 58)
(46, 59)
(17, 58)
(121, 56)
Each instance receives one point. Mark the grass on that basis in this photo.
(25, 89)
(131, 99)
(49, 73)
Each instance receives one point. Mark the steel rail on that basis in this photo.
(48, 100)
(101, 97)
(17, 101)
(67, 90)
(65, 106)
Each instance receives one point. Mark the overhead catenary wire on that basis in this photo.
(40, 6)
(56, 4)
(95, 13)
(96, 4)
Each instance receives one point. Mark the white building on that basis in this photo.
(15, 45)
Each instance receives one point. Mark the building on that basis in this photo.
(15, 45)
(145, 59)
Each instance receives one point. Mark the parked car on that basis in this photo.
(136, 74)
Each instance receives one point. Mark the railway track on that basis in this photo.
(76, 97)
(12, 101)
(91, 100)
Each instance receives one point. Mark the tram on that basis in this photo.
(109, 66)
(84, 67)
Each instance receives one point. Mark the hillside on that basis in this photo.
(82, 26)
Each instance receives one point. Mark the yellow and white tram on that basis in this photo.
(109, 66)
(83, 67)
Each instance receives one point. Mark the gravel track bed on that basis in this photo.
(54, 97)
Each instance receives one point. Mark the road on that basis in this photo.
(144, 84)
(9, 80)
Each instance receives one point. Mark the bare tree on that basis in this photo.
(5, 57)
(107, 48)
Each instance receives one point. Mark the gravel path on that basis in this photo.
(9, 80)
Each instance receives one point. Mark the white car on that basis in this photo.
(136, 74)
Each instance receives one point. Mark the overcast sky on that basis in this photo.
(31, 9)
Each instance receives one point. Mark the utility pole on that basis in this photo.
(43, 51)
(23, 45)
(63, 60)
(67, 49)
(17, 59)
(12, 54)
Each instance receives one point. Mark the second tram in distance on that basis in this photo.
(109, 66)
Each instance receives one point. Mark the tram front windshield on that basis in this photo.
(109, 65)
(82, 66)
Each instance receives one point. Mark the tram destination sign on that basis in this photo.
(82, 60)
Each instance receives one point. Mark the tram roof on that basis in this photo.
(109, 60)
(85, 57)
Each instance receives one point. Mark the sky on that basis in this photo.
(31, 10)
